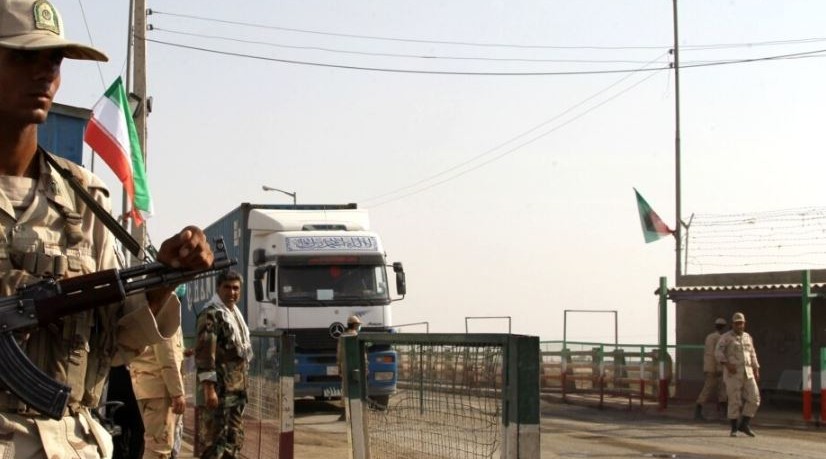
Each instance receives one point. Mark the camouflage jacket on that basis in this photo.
(217, 358)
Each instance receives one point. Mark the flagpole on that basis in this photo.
(678, 228)
(139, 89)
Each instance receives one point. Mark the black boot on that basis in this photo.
(733, 428)
(698, 413)
(745, 428)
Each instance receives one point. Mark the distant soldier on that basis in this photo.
(713, 371)
(159, 389)
(735, 351)
(222, 355)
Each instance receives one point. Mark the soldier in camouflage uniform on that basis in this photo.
(735, 351)
(222, 355)
(46, 231)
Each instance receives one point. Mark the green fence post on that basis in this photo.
(521, 439)
(806, 351)
(354, 388)
(286, 374)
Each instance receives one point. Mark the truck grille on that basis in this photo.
(312, 339)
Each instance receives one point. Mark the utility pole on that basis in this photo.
(137, 51)
(678, 234)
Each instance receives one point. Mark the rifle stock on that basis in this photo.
(48, 300)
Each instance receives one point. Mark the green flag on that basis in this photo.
(653, 227)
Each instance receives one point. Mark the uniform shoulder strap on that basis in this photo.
(108, 220)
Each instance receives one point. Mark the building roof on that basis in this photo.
(718, 292)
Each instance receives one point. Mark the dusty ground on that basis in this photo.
(318, 431)
(576, 431)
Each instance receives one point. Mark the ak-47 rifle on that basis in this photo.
(46, 301)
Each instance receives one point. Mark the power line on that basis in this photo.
(517, 147)
(91, 42)
(366, 53)
(503, 144)
(444, 72)
(488, 44)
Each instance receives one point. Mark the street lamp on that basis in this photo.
(269, 188)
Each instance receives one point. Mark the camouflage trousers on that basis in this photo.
(159, 427)
(221, 431)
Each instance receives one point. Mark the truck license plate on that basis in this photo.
(332, 392)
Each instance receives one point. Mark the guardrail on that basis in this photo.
(617, 370)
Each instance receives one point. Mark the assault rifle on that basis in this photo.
(48, 300)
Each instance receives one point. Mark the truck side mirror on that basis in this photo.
(401, 284)
(258, 285)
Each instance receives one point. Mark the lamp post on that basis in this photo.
(269, 188)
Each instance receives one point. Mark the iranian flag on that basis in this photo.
(111, 133)
(653, 227)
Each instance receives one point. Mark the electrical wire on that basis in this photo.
(815, 53)
(488, 45)
(509, 141)
(91, 42)
(365, 53)
(516, 148)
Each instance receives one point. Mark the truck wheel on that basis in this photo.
(379, 402)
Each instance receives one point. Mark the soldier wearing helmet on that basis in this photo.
(735, 351)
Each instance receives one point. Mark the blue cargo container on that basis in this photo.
(62, 133)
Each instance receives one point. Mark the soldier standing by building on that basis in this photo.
(222, 355)
(713, 372)
(46, 231)
(735, 351)
(159, 390)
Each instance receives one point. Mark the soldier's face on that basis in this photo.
(29, 81)
(229, 292)
(738, 327)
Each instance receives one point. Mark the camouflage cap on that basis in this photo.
(738, 317)
(36, 25)
(720, 321)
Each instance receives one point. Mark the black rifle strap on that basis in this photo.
(108, 220)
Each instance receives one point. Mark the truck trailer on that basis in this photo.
(307, 268)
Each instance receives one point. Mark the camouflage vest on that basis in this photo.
(48, 240)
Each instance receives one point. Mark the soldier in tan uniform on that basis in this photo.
(735, 351)
(159, 389)
(713, 371)
(45, 231)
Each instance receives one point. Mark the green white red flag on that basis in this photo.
(111, 133)
(653, 227)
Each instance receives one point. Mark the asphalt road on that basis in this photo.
(581, 431)
(576, 431)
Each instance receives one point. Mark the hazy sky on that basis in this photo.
(504, 195)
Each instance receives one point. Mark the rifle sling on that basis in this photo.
(108, 220)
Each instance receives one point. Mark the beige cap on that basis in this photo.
(720, 321)
(353, 320)
(738, 317)
(35, 25)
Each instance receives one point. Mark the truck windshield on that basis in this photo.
(332, 284)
